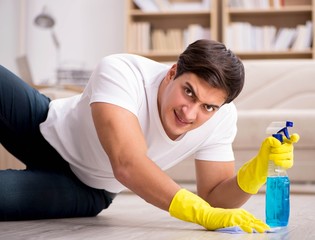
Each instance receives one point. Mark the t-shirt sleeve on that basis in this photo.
(116, 81)
(219, 146)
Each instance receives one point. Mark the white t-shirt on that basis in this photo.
(131, 82)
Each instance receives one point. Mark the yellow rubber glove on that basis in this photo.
(253, 174)
(189, 207)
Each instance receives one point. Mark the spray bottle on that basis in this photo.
(278, 183)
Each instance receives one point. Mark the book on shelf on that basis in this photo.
(303, 37)
(268, 36)
(190, 5)
(140, 40)
(242, 36)
(147, 5)
(254, 4)
(144, 38)
(174, 39)
(177, 39)
(163, 5)
(159, 41)
(167, 5)
(239, 36)
(194, 32)
(284, 39)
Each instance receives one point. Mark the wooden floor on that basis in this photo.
(129, 217)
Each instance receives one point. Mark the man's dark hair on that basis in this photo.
(213, 62)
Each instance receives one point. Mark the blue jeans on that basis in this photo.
(47, 188)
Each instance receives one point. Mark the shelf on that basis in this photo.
(163, 35)
(160, 56)
(282, 10)
(169, 13)
(270, 30)
(217, 20)
(307, 54)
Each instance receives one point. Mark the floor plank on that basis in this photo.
(129, 217)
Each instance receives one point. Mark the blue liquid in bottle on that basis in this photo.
(277, 201)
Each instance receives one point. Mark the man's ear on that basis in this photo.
(172, 72)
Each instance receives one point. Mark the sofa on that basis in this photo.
(278, 91)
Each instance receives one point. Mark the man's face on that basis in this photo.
(186, 103)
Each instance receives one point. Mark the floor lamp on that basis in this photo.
(44, 20)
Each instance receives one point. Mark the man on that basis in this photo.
(135, 118)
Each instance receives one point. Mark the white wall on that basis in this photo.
(9, 32)
(87, 31)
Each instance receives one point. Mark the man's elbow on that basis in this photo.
(123, 172)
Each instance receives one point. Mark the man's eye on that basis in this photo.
(209, 108)
(188, 92)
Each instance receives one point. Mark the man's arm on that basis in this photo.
(121, 137)
(217, 184)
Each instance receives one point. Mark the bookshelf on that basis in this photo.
(269, 31)
(160, 29)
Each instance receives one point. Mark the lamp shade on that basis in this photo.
(44, 20)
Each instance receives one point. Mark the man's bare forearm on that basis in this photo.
(227, 195)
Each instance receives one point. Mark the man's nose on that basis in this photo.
(190, 111)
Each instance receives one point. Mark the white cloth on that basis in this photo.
(130, 82)
(238, 230)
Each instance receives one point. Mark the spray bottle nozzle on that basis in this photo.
(279, 128)
(278, 136)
